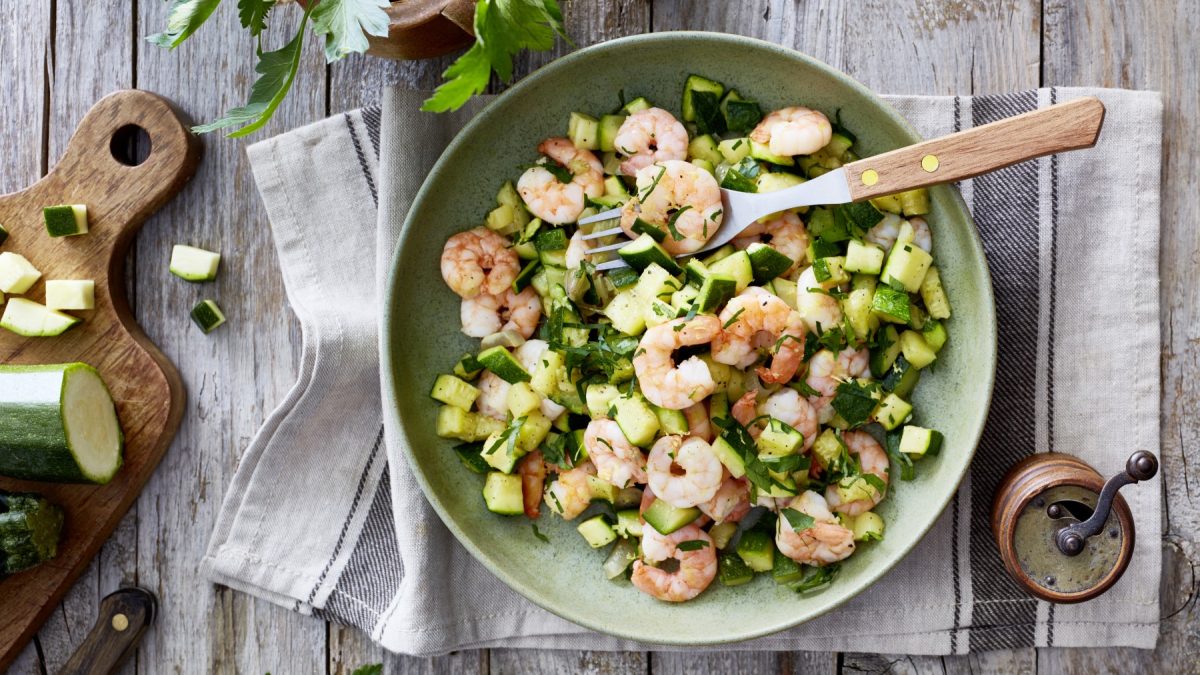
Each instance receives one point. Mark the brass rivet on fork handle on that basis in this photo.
(1063, 532)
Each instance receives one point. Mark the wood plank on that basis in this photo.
(234, 376)
(25, 40)
(88, 64)
(683, 663)
(547, 662)
(1152, 45)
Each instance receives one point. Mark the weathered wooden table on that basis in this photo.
(61, 56)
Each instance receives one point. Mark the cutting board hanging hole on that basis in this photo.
(130, 145)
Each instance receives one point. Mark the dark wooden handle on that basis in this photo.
(124, 618)
(1066, 126)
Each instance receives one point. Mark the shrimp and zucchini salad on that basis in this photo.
(707, 417)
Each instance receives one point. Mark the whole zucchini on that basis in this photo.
(29, 530)
(58, 423)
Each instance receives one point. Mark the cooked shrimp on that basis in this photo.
(820, 311)
(789, 407)
(755, 318)
(665, 384)
(617, 461)
(485, 314)
(577, 251)
(697, 567)
(680, 199)
(730, 503)
(824, 543)
(533, 476)
(826, 371)
(793, 131)
(873, 460)
(683, 472)
(887, 231)
(529, 355)
(493, 396)
(788, 236)
(554, 201)
(649, 136)
(746, 410)
(699, 424)
(570, 495)
(479, 261)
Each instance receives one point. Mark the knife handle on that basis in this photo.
(124, 617)
(966, 154)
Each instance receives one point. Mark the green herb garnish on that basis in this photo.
(692, 545)
(537, 533)
(855, 401)
(798, 520)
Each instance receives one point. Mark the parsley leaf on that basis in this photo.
(560, 172)
(799, 520)
(818, 577)
(756, 471)
(892, 444)
(253, 15)
(671, 222)
(183, 18)
(733, 319)
(373, 669)
(538, 533)
(804, 387)
(276, 71)
(502, 29)
(692, 545)
(344, 22)
(707, 107)
(855, 401)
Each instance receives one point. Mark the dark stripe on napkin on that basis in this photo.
(1006, 213)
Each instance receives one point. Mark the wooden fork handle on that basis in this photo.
(966, 154)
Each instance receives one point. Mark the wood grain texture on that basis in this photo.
(966, 154)
(893, 46)
(144, 384)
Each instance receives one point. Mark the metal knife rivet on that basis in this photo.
(120, 622)
(870, 177)
(929, 163)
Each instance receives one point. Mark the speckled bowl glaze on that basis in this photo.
(422, 338)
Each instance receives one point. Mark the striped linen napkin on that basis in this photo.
(1073, 246)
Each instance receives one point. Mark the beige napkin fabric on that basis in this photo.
(1072, 242)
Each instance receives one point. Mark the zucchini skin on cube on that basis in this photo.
(58, 423)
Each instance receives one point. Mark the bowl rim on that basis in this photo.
(391, 383)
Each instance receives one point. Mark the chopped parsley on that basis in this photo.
(653, 184)
(733, 319)
(816, 578)
(692, 545)
(855, 401)
(798, 520)
(675, 234)
(538, 533)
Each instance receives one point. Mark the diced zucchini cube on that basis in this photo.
(830, 271)
(665, 518)
(455, 422)
(786, 571)
(522, 399)
(194, 264)
(501, 362)
(721, 373)
(66, 220)
(916, 350)
(716, 290)
(597, 532)
(721, 533)
(757, 550)
(785, 289)
(935, 334)
(867, 527)
(533, 431)
(732, 570)
(670, 422)
(599, 399)
(736, 266)
(770, 182)
(934, 295)
(887, 203)
(704, 147)
(77, 294)
(683, 298)
(827, 448)
(501, 452)
(779, 439)
(766, 262)
(659, 312)
(32, 319)
(584, 131)
(734, 150)
(17, 275)
(863, 257)
(629, 523)
(785, 487)
(914, 202)
(655, 281)
(503, 494)
(892, 411)
(602, 489)
(694, 84)
(857, 307)
(549, 369)
(855, 488)
(729, 457)
(637, 105)
(906, 266)
(762, 152)
(636, 419)
(452, 391)
(918, 441)
(207, 315)
(891, 304)
(607, 133)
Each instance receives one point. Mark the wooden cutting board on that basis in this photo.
(146, 387)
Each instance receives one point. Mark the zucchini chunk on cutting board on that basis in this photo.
(29, 530)
(66, 220)
(58, 423)
(32, 319)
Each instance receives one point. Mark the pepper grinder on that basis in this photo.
(1064, 533)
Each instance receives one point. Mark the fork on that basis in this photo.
(966, 154)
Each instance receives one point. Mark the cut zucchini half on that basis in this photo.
(77, 294)
(696, 83)
(609, 126)
(737, 266)
(665, 518)
(207, 315)
(716, 290)
(502, 493)
(767, 262)
(17, 275)
(58, 423)
(584, 131)
(194, 264)
(32, 319)
(918, 441)
(597, 532)
(30, 528)
(66, 220)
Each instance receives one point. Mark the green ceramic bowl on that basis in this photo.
(422, 338)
